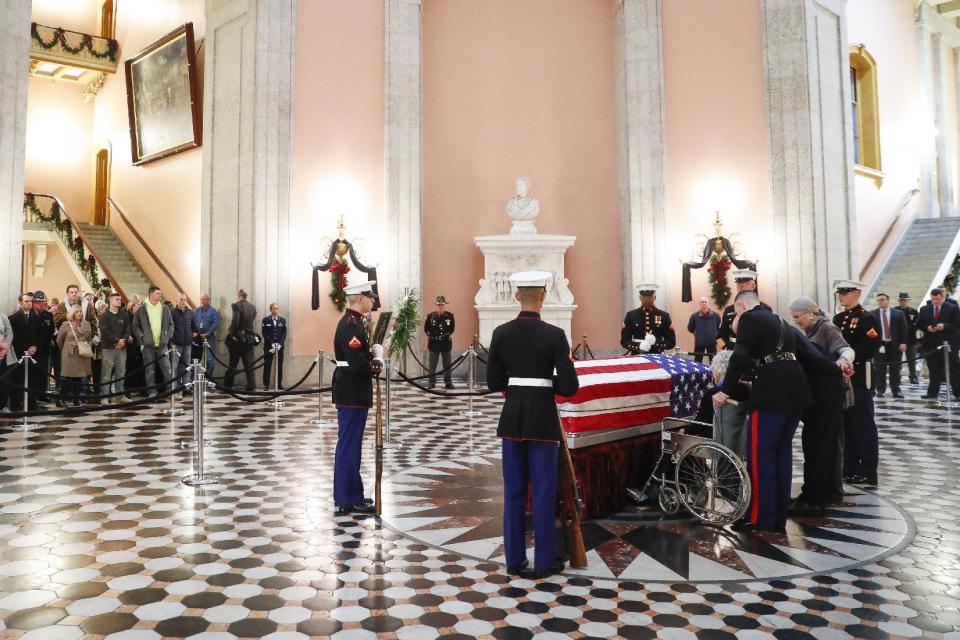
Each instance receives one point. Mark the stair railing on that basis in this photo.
(43, 207)
(886, 236)
(143, 243)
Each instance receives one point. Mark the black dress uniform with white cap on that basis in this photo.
(647, 329)
(745, 279)
(862, 332)
(357, 364)
(531, 362)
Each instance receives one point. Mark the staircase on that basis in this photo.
(117, 259)
(915, 262)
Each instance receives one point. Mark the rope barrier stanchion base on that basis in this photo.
(471, 413)
(190, 443)
(196, 480)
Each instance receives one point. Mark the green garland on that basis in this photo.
(406, 323)
(719, 290)
(952, 278)
(86, 42)
(63, 227)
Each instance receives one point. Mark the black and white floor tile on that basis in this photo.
(99, 539)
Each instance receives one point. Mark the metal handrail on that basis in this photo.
(143, 243)
(86, 243)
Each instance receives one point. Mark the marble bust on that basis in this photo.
(523, 208)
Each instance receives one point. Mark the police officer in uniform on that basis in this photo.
(745, 280)
(862, 332)
(911, 315)
(766, 352)
(531, 361)
(357, 364)
(273, 328)
(439, 326)
(646, 321)
(46, 342)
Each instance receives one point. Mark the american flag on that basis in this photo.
(633, 390)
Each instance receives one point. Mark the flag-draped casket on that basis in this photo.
(612, 422)
(617, 393)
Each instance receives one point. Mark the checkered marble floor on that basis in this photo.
(99, 539)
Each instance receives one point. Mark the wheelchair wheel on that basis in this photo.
(713, 483)
(669, 500)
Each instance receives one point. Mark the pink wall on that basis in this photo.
(338, 165)
(161, 198)
(716, 136)
(514, 89)
(59, 160)
(888, 31)
(56, 274)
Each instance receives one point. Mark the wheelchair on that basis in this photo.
(700, 475)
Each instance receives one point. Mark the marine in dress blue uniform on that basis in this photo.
(357, 364)
(647, 320)
(766, 352)
(530, 361)
(744, 280)
(861, 448)
(273, 328)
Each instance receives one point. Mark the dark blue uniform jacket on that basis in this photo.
(352, 384)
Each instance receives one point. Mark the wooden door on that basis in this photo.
(102, 189)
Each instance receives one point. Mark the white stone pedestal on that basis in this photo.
(509, 253)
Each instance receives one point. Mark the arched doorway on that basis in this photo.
(101, 188)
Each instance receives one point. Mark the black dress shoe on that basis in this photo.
(898, 396)
(354, 508)
(914, 380)
(540, 575)
(519, 570)
(806, 509)
(869, 481)
(928, 397)
(368, 501)
(450, 385)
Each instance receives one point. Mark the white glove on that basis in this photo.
(377, 351)
(644, 346)
(650, 339)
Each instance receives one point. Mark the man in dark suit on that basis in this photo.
(861, 448)
(938, 320)
(531, 361)
(766, 352)
(27, 336)
(911, 315)
(894, 336)
(241, 339)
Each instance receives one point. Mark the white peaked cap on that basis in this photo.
(360, 287)
(531, 279)
(848, 284)
(648, 288)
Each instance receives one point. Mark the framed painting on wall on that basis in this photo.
(162, 97)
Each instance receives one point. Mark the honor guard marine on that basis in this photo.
(357, 364)
(531, 362)
(745, 280)
(647, 329)
(862, 332)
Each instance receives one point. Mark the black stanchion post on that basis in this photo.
(321, 357)
(275, 349)
(25, 361)
(199, 478)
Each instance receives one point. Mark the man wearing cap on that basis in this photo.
(766, 351)
(939, 321)
(647, 329)
(439, 326)
(531, 362)
(357, 364)
(861, 449)
(45, 341)
(745, 280)
(911, 315)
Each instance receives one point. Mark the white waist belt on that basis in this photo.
(637, 340)
(343, 363)
(530, 382)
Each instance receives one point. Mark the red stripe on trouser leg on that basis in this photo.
(754, 475)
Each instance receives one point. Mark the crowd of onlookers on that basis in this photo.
(98, 348)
